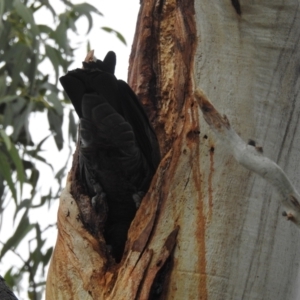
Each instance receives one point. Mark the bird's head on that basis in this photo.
(107, 65)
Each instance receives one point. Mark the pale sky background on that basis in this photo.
(118, 14)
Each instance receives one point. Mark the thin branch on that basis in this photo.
(16, 253)
(250, 156)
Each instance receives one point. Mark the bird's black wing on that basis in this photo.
(106, 135)
(135, 114)
(79, 82)
(122, 99)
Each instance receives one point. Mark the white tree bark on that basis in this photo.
(250, 156)
(248, 65)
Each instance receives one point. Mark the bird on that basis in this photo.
(118, 147)
(5, 291)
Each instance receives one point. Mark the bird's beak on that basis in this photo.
(90, 57)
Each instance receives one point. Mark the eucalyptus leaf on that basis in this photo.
(44, 199)
(6, 139)
(40, 144)
(35, 174)
(24, 204)
(55, 123)
(86, 10)
(8, 98)
(2, 85)
(26, 14)
(2, 7)
(21, 54)
(60, 36)
(39, 158)
(31, 69)
(118, 34)
(6, 173)
(47, 256)
(50, 7)
(9, 277)
(67, 3)
(7, 116)
(52, 98)
(22, 119)
(45, 29)
(18, 106)
(50, 87)
(18, 163)
(71, 21)
(23, 228)
(53, 55)
(59, 175)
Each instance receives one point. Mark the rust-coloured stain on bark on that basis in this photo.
(211, 115)
(161, 73)
(210, 178)
(201, 226)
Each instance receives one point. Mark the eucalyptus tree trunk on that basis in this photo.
(207, 228)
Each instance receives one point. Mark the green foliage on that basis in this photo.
(117, 33)
(25, 89)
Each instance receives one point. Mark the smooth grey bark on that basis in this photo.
(248, 65)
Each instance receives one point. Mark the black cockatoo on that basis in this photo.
(119, 152)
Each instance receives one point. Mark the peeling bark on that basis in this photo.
(169, 26)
